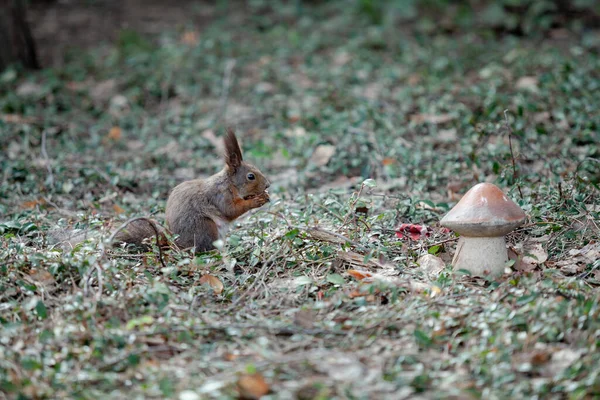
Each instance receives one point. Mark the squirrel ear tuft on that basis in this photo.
(233, 154)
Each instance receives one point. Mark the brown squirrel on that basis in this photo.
(199, 211)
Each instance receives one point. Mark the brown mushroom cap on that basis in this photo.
(484, 211)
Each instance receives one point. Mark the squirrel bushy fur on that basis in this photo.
(199, 211)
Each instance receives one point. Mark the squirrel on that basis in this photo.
(199, 211)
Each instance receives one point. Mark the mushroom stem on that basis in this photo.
(481, 256)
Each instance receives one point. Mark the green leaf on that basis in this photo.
(302, 280)
(292, 234)
(336, 279)
(369, 183)
(166, 387)
(435, 249)
(40, 309)
(143, 320)
(422, 338)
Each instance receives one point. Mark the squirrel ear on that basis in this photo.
(233, 154)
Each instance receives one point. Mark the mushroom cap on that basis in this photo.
(484, 211)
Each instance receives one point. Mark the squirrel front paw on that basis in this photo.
(260, 199)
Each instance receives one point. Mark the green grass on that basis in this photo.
(419, 110)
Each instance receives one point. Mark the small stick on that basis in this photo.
(47, 159)
(512, 155)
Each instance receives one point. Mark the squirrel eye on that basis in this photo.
(251, 176)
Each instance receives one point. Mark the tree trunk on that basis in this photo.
(16, 41)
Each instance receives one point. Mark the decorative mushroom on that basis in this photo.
(482, 217)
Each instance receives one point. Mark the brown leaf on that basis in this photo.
(252, 386)
(213, 282)
(17, 119)
(527, 83)
(305, 319)
(118, 209)
(359, 275)
(388, 161)
(190, 38)
(432, 265)
(114, 133)
(431, 118)
(322, 154)
(33, 203)
(358, 260)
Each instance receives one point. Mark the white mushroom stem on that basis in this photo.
(481, 256)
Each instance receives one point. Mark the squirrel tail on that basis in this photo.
(138, 230)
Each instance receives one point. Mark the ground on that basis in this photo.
(365, 117)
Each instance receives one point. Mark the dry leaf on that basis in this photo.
(252, 386)
(561, 360)
(528, 255)
(118, 209)
(579, 258)
(190, 38)
(213, 282)
(418, 287)
(358, 260)
(114, 133)
(33, 203)
(305, 319)
(527, 83)
(17, 119)
(322, 154)
(432, 265)
(431, 118)
(41, 276)
(321, 234)
(359, 275)
(29, 89)
(103, 91)
(388, 161)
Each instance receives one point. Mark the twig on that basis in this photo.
(47, 159)
(512, 155)
(259, 278)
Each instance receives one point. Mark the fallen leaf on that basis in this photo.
(527, 83)
(252, 386)
(295, 132)
(114, 133)
(561, 360)
(213, 282)
(431, 118)
(17, 119)
(41, 276)
(322, 155)
(446, 136)
(412, 231)
(388, 161)
(432, 265)
(33, 203)
(418, 287)
(305, 319)
(103, 91)
(29, 89)
(118, 209)
(190, 38)
(359, 275)
(359, 260)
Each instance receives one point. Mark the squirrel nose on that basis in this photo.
(268, 184)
